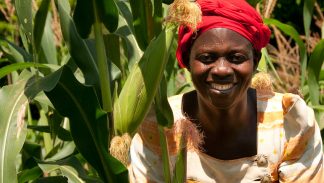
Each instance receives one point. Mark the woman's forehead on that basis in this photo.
(221, 37)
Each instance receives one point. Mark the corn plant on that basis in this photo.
(97, 84)
(67, 98)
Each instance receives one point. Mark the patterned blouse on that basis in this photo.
(289, 146)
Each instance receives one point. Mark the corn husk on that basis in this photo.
(142, 83)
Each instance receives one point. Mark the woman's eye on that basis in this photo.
(206, 58)
(237, 58)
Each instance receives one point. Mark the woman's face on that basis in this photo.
(221, 66)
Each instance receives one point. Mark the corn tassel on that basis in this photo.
(142, 83)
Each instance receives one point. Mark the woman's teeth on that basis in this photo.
(221, 86)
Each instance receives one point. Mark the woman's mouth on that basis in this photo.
(223, 88)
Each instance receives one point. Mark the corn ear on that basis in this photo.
(142, 83)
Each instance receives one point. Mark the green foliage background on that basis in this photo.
(75, 74)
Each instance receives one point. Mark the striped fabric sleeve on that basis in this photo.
(302, 158)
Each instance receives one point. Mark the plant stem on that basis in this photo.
(165, 155)
(104, 75)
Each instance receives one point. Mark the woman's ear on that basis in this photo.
(257, 56)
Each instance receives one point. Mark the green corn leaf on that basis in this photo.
(321, 75)
(64, 152)
(262, 66)
(146, 20)
(14, 53)
(55, 123)
(18, 66)
(29, 174)
(83, 21)
(307, 15)
(180, 170)
(48, 48)
(126, 14)
(314, 70)
(66, 170)
(88, 123)
(61, 132)
(268, 61)
(109, 14)
(48, 143)
(172, 70)
(115, 72)
(52, 179)
(40, 128)
(25, 17)
(70, 168)
(125, 30)
(40, 21)
(318, 107)
(163, 110)
(31, 150)
(77, 46)
(141, 85)
(164, 118)
(291, 31)
(13, 105)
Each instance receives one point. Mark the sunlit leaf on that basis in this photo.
(48, 48)
(40, 21)
(25, 17)
(18, 66)
(70, 168)
(314, 70)
(15, 53)
(13, 105)
(64, 152)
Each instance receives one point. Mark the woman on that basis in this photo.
(235, 133)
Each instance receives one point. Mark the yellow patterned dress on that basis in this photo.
(289, 147)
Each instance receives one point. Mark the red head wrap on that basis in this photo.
(236, 15)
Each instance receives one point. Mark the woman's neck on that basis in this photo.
(214, 120)
(228, 134)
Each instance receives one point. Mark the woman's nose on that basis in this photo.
(221, 69)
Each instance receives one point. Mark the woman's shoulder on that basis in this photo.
(288, 108)
(273, 107)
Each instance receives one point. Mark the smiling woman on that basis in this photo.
(235, 133)
(221, 65)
